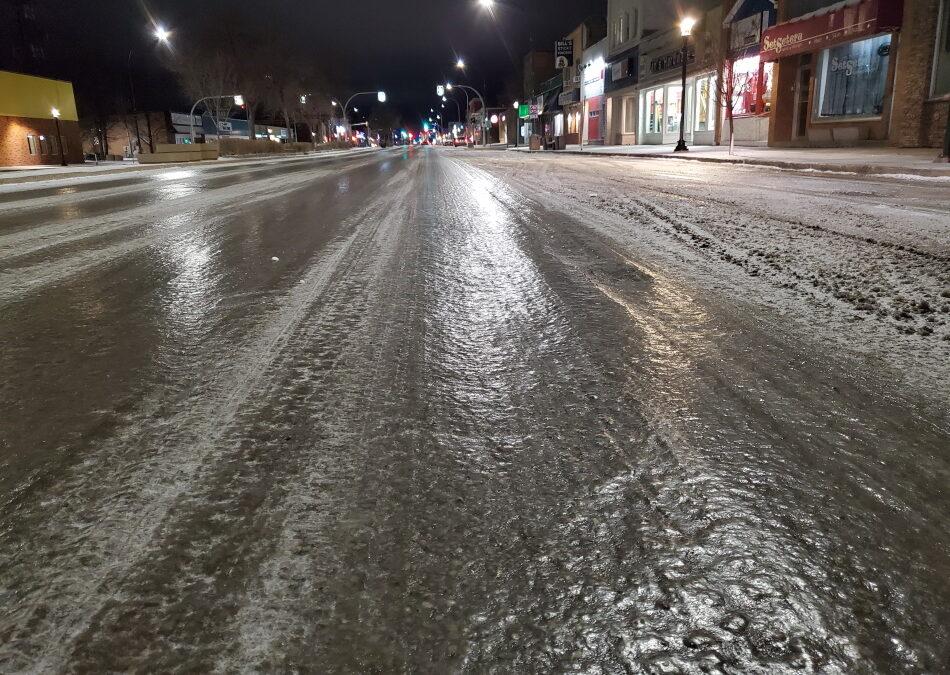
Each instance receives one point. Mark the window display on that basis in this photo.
(674, 101)
(752, 86)
(853, 78)
(654, 111)
(705, 103)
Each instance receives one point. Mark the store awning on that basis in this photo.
(569, 97)
(551, 101)
(841, 22)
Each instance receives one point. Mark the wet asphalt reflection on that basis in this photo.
(389, 414)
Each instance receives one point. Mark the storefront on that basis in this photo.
(748, 78)
(835, 74)
(592, 93)
(661, 91)
(622, 101)
(571, 113)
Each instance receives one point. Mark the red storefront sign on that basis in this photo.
(850, 21)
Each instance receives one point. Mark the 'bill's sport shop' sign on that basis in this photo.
(845, 24)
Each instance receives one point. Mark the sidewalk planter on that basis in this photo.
(166, 153)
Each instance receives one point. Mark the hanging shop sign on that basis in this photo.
(745, 35)
(817, 31)
(563, 54)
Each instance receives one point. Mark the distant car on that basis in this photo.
(458, 142)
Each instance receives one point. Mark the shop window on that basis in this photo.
(941, 81)
(629, 115)
(674, 99)
(853, 78)
(559, 125)
(751, 87)
(705, 104)
(33, 142)
(654, 111)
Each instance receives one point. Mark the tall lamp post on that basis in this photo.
(238, 101)
(163, 36)
(380, 96)
(59, 137)
(686, 27)
(466, 88)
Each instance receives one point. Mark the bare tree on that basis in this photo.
(206, 71)
(384, 120)
(729, 93)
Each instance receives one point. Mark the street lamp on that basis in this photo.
(59, 136)
(686, 28)
(460, 64)
(487, 4)
(238, 101)
(161, 34)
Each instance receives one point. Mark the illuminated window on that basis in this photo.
(674, 100)
(654, 111)
(34, 144)
(853, 78)
(629, 115)
(751, 87)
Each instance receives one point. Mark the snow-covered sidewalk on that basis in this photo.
(864, 160)
(29, 174)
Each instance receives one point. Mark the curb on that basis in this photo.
(865, 169)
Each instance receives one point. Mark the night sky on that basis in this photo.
(402, 46)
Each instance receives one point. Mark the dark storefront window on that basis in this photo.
(853, 78)
(941, 83)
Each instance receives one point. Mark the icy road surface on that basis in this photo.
(438, 410)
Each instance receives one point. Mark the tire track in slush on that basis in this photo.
(108, 526)
(188, 592)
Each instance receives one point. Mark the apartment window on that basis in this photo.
(34, 144)
(853, 78)
(44, 146)
(629, 115)
(941, 81)
(621, 29)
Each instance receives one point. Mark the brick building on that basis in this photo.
(859, 71)
(28, 130)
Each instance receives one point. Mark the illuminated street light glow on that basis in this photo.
(460, 64)
(381, 96)
(686, 26)
(238, 100)
(161, 34)
(55, 113)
